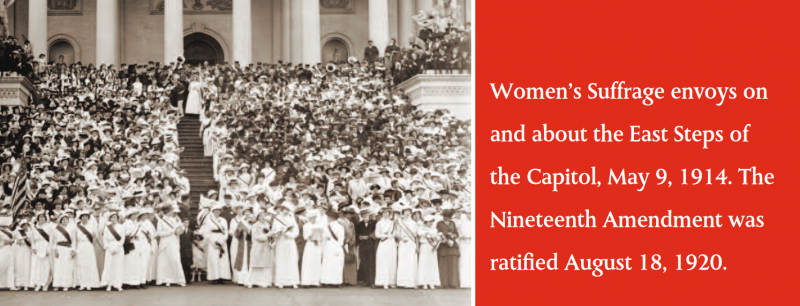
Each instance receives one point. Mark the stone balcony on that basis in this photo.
(15, 90)
(441, 91)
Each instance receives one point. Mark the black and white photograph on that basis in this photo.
(236, 152)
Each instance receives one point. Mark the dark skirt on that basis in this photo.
(448, 271)
(366, 269)
(350, 274)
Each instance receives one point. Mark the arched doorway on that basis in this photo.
(335, 49)
(59, 48)
(199, 47)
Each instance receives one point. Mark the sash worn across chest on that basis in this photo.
(330, 230)
(114, 232)
(219, 227)
(86, 232)
(43, 233)
(9, 234)
(64, 233)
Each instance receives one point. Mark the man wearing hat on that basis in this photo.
(367, 246)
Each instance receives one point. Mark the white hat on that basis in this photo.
(217, 206)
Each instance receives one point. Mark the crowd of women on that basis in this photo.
(328, 177)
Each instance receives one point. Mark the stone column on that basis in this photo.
(379, 23)
(107, 32)
(406, 24)
(242, 32)
(297, 31)
(423, 5)
(286, 30)
(37, 27)
(173, 30)
(312, 50)
(277, 29)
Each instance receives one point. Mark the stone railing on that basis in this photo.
(441, 91)
(15, 90)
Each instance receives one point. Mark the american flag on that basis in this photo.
(20, 191)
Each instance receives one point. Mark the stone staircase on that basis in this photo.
(199, 168)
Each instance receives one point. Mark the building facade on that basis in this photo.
(247, 31)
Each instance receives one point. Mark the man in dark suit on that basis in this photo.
(367, 247)
(186, 238)
(179, 93)
(371, 53)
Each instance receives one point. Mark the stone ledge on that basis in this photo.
(441, 91)
(15, 90)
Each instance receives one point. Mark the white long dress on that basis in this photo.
(386, 256)
(218, 264)
(64, 264)
(169, 269)
(40, 262)
(150, 229)
(194, 100)
(407, 253)
(22, 261)
(333, 254)
(286, 268)
(239, 276)
(114, 263)
(6, 259)
(261, 257)
(143, 244)
(428, 270)
(86, 274)
(311, 273)
(465, 248)
(133, 260)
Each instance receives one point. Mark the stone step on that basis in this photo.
(194, 159)
(193, 154)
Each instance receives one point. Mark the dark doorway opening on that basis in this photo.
(199, 48)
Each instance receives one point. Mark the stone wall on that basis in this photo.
(143, 34)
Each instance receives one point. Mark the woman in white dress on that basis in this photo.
(312, 252)
(64, 253)
(169, 270)
(149, 227)
(144, 246)
(6, 252)
(87, 276)
(215, 230)
(428, 269)
(333, 251)
(133, 259)
(261, 255)
(194, 104)
(286, 257)
(239, 229)
(22, 256)
(113, 238)
(386, 256)
(40, 261)
(406, 231)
